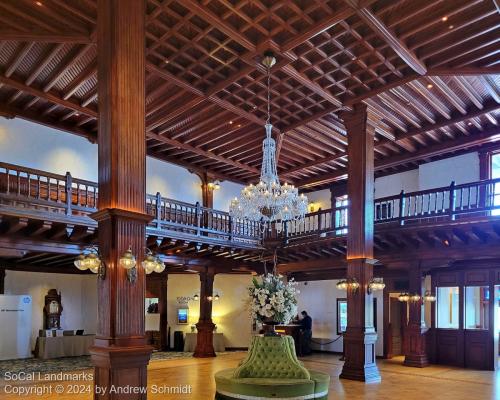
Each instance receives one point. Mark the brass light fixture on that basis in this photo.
(215, 185)
(428, 296)
(349, 283)
(90, 259)
(152, 263)
(404, 297)
(375, 284)
(128, 261)
(415, 298)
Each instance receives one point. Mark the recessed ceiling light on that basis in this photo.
(239, 125)
(166, 61)
(38, 3)
(469, 123)
(76, 114)
(451, 27)
(444, 19)
(230, 122)
(430, 86)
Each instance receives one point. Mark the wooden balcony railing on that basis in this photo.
(39, 190)
(480, 198)
(43, 191)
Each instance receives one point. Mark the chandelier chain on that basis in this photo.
(268, 121)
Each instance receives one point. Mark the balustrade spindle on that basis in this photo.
(69, 196)
(198, 218)
(402, 202)
(158, 210)
(452, 201)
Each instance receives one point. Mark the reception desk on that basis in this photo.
(190, 342)
(63, 346)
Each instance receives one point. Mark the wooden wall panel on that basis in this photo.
(477, 348)
(449, 347)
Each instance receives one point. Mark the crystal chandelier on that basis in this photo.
(269, 201)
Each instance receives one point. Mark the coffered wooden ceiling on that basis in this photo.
(429, 71)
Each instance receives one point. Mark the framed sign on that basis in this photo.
(342, 315)
(182, 316)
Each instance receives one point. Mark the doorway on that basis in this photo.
(397, 322)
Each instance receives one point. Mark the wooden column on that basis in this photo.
(207, 193)
(163, 310)
(414, 332)
(360, 336)
(2, 280)
(205, 326)
(120, 354)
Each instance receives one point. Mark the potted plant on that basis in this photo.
(272, 301)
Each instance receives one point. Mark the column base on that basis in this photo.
(416, 360)
(415, 352)
(359, 351)
(205, 340)
(120, 372)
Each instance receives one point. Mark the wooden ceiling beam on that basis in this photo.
(45, 37)
(17, 84)
(33, 116)
(212, 97)
(200, 152)
(388, 36)
(217, 22)
(450, 146)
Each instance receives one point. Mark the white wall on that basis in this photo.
(229, 313)
(319, 299)
(78, 297)
(320, 199)
(461, 169)
(36, 146)
(391, 185)
(227, 192)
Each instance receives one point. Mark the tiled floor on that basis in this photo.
(398, 382)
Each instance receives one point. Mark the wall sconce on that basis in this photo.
(196, 297)
(404, 297)
(349, 283)
(152, 263)
(210, 298)
(375, 284)
(313, 207)
(127, 261)
(217, 297)
(428, 296)
(90, 259)
(415, 298)
(215, 185)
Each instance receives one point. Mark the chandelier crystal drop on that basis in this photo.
(269, 201)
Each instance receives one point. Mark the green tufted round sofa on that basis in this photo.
(271, 370)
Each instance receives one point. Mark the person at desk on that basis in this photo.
(306, 328)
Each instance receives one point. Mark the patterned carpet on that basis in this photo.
(70, 363)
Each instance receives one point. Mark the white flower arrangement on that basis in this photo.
(272, 299)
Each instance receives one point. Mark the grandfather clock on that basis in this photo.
(52, 310)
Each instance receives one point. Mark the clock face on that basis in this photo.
(53, 307)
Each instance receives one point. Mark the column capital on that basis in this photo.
(109, 213)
